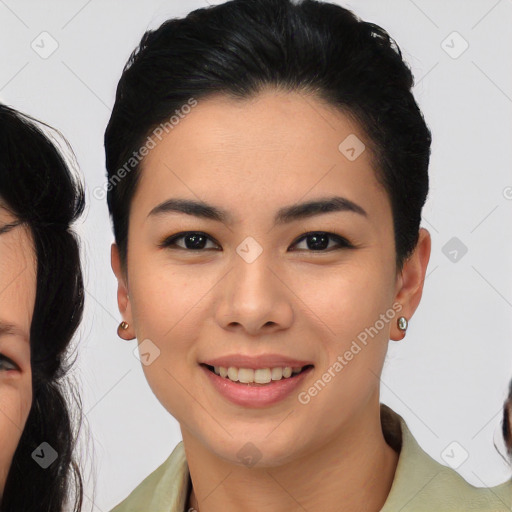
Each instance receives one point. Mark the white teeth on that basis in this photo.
(245, 375)
(262, 376)
(259, 376)
(233, 373)
(277, 373)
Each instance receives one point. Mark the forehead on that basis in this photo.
(275, 146)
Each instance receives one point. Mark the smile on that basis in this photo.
(257, 376)
(246, 391)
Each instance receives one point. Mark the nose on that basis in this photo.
(254, 298)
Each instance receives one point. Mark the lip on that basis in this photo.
(255, 362)
(255, 396)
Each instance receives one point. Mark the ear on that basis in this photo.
(409, 284)
(123, 300)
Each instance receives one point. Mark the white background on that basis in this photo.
(449, 377)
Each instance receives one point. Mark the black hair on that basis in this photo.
(37, 187)
(240, 47)
(506, 422)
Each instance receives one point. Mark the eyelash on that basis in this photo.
(12, 364)
(170, 242)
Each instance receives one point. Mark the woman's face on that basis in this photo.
(17, 296)
(255, 286)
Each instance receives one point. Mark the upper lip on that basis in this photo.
(255, 362)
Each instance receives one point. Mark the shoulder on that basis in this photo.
(422, 484)
(164, 490)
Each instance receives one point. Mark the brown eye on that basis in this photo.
(319, 241)
(193, 241)
(7, 364)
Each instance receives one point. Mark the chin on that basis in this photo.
(256, 450)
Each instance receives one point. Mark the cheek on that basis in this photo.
(348, 311)
(168, 316)
(166, 301)
(345, 300)
(15, 402)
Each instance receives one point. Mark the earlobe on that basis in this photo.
(411, 281)
(124, 330)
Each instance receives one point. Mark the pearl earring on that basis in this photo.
(402, 323)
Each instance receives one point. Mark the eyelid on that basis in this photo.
(343, 242)
(166, 242)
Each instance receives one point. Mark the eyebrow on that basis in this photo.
(5, 228)
(284, 215)
(8, 329)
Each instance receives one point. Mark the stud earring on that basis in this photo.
(122, 327)
(402, 323)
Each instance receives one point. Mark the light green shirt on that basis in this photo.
(420, 483)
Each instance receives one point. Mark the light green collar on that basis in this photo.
(421, 484)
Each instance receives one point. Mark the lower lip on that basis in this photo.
(248, 395)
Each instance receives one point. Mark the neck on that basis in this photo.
(352, 472)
